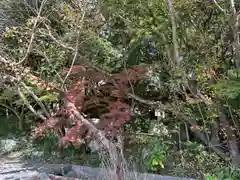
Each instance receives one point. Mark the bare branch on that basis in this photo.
(139, 99)
(72, 64)
(33, 31)
(36, 99)
(11, 109)
(26, 102)
(55, 39)
(219, 7)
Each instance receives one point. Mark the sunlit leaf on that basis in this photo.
(49, 97)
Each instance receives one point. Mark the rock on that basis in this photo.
(84, 172)
(56, 169)
(12, 167)
(72, 173)
(11, 170)
(10, 143)
(7, 145)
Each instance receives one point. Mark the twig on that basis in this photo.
(11, 109)
(76, 47)
(72, 64)
(55, 39)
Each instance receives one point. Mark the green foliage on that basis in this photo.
(49, 97)
(157, 155)
(8, 123)
(113, 35)
(195, 161)
(101, 53)
(49, 144)
(226, 173)
(228, 88)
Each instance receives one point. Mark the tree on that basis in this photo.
(179, 58)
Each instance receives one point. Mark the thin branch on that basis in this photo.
(141, 100)
(11, 109)
(17, 81)
(76, 47)
(219, 7)
(36, 99)
(30, 107)
(55, 39)
(33, 32)
(201, 136)
(72, 64)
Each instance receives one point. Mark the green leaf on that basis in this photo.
(211, 178)
(155, 162)
(49, 97)
(161, 164)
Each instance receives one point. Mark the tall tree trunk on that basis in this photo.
(175, 50)
(235, 32)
